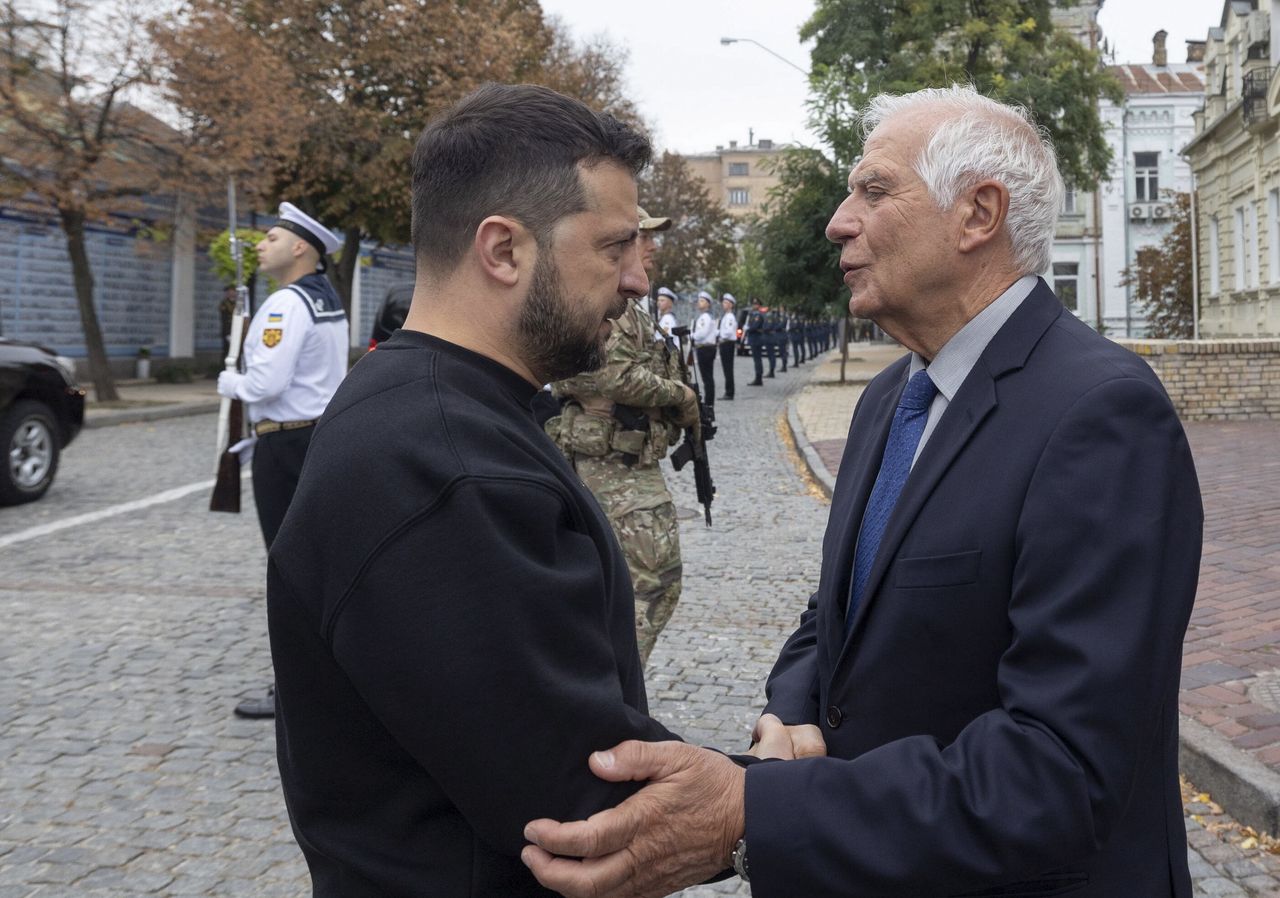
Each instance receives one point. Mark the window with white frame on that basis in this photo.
(739, 196)
(1246, 246)
(1273, 235)
(1146, 177)
(1215, 258)
(1254, 259)
(1069, 201)
(1238, 248)
(1066, 283)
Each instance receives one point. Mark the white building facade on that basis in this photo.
(1100, 234)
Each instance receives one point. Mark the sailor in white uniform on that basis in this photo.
(704, 347)
(666, 317)
(727, 332)
(295, 355)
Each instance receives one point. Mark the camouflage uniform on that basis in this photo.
(619, 464)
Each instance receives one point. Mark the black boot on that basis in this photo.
(259, 708)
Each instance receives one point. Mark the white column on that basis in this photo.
(182, 290)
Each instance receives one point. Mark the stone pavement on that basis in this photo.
(1231, 660)
(129, 636)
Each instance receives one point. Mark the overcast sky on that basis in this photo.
(698, 93)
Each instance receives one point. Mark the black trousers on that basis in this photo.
(757, 356)
(277, 462)
(797, 349)
(706, 356)
(728, 352)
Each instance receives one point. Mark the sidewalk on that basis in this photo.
(1230, 699)
(150, 401)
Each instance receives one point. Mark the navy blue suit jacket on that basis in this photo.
(1003, 718)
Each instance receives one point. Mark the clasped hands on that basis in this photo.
(678, 830)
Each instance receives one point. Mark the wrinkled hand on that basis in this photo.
(772, 738)
(678, 830)
(227, 384)
(686, 412)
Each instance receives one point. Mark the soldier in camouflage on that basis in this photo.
(616, 425)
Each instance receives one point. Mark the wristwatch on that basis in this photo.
(739, 859)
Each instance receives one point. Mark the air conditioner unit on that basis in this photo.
(1137, 213)
(1160, 211)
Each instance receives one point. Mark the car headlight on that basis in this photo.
(67, 367)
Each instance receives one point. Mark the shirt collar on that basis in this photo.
(957, 357)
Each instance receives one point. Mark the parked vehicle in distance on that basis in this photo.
(41, 411)
(391, 314)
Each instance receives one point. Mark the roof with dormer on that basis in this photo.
(1146, 78)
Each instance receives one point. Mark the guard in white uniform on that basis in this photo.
(727, 332)
(704, 347)
(295, 355)
(666, 318)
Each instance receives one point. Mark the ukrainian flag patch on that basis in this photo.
(275, 317)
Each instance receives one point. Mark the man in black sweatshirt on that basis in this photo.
(451, 617)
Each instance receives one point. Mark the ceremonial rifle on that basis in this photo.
(694, 447)
(226, 490)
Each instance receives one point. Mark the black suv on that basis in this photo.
(41, 411)
(391, 315)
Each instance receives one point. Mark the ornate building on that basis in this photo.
(1235, 155)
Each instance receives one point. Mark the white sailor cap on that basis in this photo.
(298, 222)
(703, 294)
(666, 291)
(728, 297)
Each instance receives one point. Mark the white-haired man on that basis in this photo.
(982, 694)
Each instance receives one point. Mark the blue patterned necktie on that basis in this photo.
(904, 434)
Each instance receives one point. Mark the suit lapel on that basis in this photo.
(972, 404)
(868, 434)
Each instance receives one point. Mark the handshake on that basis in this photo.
(680, 829)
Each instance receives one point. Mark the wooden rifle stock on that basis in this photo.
(226, 489)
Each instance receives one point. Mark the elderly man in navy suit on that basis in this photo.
(981, 697)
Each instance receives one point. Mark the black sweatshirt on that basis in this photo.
(452, 629)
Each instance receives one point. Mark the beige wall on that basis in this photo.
(1237, 165)
(1216, 380)
(714, 168)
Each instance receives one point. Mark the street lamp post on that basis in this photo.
(726, 41)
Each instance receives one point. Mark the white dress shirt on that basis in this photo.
(704, 330)
(294, 360)
(958, 355)
(728, 328)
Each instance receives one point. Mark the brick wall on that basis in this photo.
(1216, 380)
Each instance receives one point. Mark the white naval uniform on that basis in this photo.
(295, 356)
(728, 332)
(667, 322)
(704, 330)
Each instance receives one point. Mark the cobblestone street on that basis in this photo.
(129, 637)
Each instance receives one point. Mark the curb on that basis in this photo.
(155, 413)
(810, 455)
(1242, 785)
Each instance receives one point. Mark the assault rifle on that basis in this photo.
(694, 447)
(226, 489)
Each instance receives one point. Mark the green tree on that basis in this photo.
(747, 278)
(699, 247)
(224, 263)
(802, 268)
(1007, 49)
(1161, 276)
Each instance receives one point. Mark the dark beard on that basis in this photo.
(553, 347)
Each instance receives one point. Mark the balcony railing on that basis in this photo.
(1254, 95)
